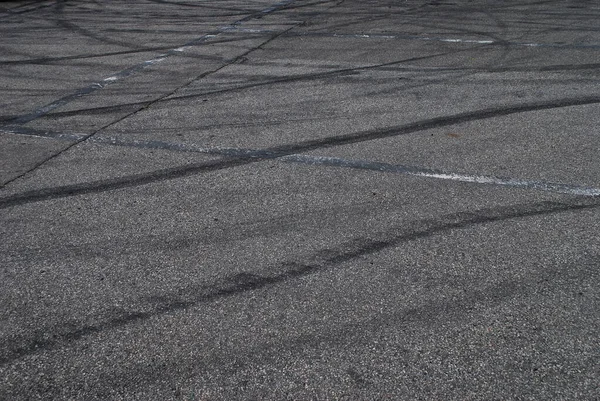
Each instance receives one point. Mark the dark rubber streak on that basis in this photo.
(280, 151)
(322, 261)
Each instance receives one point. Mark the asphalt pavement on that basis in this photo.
(300, 200)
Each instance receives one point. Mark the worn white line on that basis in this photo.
(441, 175)
(326, 161)
(427, 38)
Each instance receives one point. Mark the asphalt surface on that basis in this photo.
(303, 200)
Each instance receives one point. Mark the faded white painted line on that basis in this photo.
(427, 38)
(267, 154)
(481, 42)
(441, 175)
(462, 40)
(42, 134)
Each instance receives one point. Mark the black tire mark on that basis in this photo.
(63, 22)
(51, 60)
(296, 78)
(237, 10)
(464, 72)
(428, 316)
(5, 120)
(327, 259)
(312, 76)
(282, 150)
(24, 8)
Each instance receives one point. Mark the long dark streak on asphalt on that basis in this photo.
(321, 261)
(10, 121)
(282, 150)
(25, 8)
(418, 171)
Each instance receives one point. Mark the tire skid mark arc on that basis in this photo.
(321, 261)
(12, 123)
(416, 171)
(234, 158)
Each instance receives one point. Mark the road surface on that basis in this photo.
(303, 200)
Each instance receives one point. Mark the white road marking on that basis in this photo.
(429, 38)
(416, 171)
(441, 175)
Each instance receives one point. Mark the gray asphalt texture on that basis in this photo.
(300, 200)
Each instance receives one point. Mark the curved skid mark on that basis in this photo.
(28, 7)
(321, 261)
(326, 161)
(442, 175)
(234, 158)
